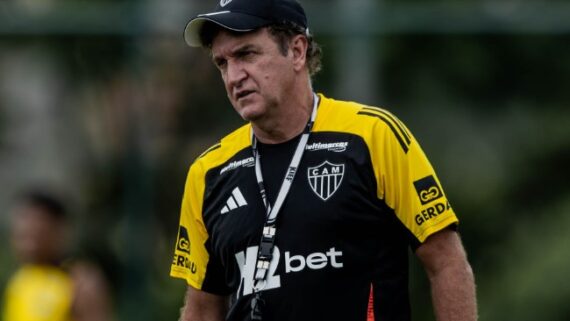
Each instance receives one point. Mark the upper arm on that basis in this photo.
(451, 277)
(191, 257)
(92, 298)
(442, 250)
(204, 306)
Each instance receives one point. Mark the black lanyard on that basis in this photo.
(265, 251)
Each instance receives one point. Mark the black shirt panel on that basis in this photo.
(332, 232)
(238, 229)
(275, 159)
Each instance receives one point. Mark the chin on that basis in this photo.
(251, 116)
(251, 112)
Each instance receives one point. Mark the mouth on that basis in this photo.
(243, 94)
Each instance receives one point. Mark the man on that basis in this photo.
(308, 211)
(43, 288)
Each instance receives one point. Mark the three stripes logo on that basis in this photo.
(393, 123)
(234, 201)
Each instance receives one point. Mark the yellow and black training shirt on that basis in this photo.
(363, 195)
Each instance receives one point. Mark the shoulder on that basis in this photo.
(223, 151)
(37, 276)
(369, 122)
(348, 114)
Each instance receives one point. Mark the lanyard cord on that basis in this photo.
(265, 252)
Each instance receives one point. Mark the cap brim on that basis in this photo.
(234, 21)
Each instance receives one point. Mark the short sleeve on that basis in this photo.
(406, 180)
(190, 260)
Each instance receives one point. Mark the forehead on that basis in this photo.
(227, 41)
(32, 212)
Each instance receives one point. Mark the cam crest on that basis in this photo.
(325, 179)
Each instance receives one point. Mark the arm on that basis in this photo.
(203, 306)
(450, 275)
(92, 297)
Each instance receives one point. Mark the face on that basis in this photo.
(258, 78)
(36, 237)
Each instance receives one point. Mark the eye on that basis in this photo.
(246, 54)
(220, 63)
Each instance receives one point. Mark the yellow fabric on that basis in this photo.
(38, 293)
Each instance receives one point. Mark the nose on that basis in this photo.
(235, 74)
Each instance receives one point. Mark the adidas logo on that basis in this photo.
(234, 201)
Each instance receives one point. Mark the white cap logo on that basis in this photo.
(224, 3)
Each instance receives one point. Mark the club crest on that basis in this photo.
(325, 179)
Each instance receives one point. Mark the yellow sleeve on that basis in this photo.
(190, 254)
(406, 180)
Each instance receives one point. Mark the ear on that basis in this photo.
(298, 46)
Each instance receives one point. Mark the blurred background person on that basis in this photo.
(48, 285)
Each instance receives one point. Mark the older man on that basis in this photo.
(308, 211)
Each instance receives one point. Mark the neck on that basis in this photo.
(289, 123)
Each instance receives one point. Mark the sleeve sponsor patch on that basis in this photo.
(428, 190)
(183, 242)
(182, 261)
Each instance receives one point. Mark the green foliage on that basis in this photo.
(491, 113)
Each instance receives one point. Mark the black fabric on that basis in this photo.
(275, 158)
